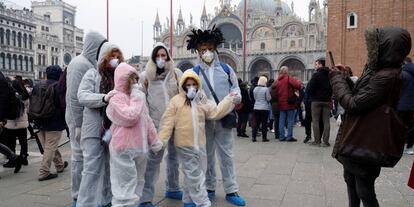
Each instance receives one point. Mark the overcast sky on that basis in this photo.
(126, 17)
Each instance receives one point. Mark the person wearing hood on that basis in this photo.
(160, 83)
(387, 47)
(51, 129)
(192, 106)
(406, 104)
(320, 92)
(94, 93)
(74, 110)
(132, 132)
(223, 81)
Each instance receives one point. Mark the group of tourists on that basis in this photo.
(121, 122)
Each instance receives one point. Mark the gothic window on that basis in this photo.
(352, 20)
(19, 39)
(43, 59)
(39, 59)
(30, 41)
(14, 62)
(1, 36)
(8, 37)
(8, 62)
(31, 64)
(26, 64)
(25, 40)
(262, 46)
(14, 38)
(2, 61)
(20, 63)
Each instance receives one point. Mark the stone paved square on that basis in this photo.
(272, 174)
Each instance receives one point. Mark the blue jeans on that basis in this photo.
(290, 115)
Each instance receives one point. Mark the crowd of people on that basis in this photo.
(121, 122)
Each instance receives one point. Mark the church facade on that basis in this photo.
(275, 36)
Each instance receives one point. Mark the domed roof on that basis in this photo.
(268, 6)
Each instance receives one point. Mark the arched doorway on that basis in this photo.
(185, 65)
(229, 60)
(296, 68)
(261, 67)
(232, 35)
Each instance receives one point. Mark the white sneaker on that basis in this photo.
(409, 151)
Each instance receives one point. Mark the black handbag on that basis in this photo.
(387, 133)
(230, 120)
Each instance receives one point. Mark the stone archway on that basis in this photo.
(185, 65)
(229, 60)
(296, 68)
(261, 67)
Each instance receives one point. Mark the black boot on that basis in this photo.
(10, 164)
(18, 164)
(23, 159)
(265, 137)
(254, 139)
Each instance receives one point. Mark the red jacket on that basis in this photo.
(283, 91)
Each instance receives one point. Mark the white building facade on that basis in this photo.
(275, 36)
(57, 40)
(17, 31)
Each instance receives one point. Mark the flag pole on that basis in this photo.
(107, 19)
(244, 40)
(171, 28)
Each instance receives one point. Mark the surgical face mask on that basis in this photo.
(208, 56)
(114, 63)
(160, 63)
(191, 92)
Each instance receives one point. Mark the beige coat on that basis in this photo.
(181, 119)
(21, 122)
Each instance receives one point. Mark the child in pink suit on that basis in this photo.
(132, 132)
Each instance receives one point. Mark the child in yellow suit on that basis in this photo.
(185, 116)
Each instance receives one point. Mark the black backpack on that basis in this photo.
(16, 106)
(42, 103)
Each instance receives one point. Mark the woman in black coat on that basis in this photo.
(387, 48)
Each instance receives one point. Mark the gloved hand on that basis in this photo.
(109, 95)
(78, 134)
(136, 92)
(236, 98)
(107, 136)
(158, 146)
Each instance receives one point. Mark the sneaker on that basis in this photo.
(282, 140)
(409, 151)
(48, 177)
(265, 140)
(190, 205)
(254, 140)
(292, 140)
(176, 195)
(65, 165)
(317, 144)
(211, 194)
(325, 145)
(11, 163)
(307, 139)
(235, 199)
(146, 204)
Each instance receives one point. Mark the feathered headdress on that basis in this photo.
(199, 36)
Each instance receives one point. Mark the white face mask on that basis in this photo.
(114, 63)
(208, 56)
(191, 92)
(160, 63)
